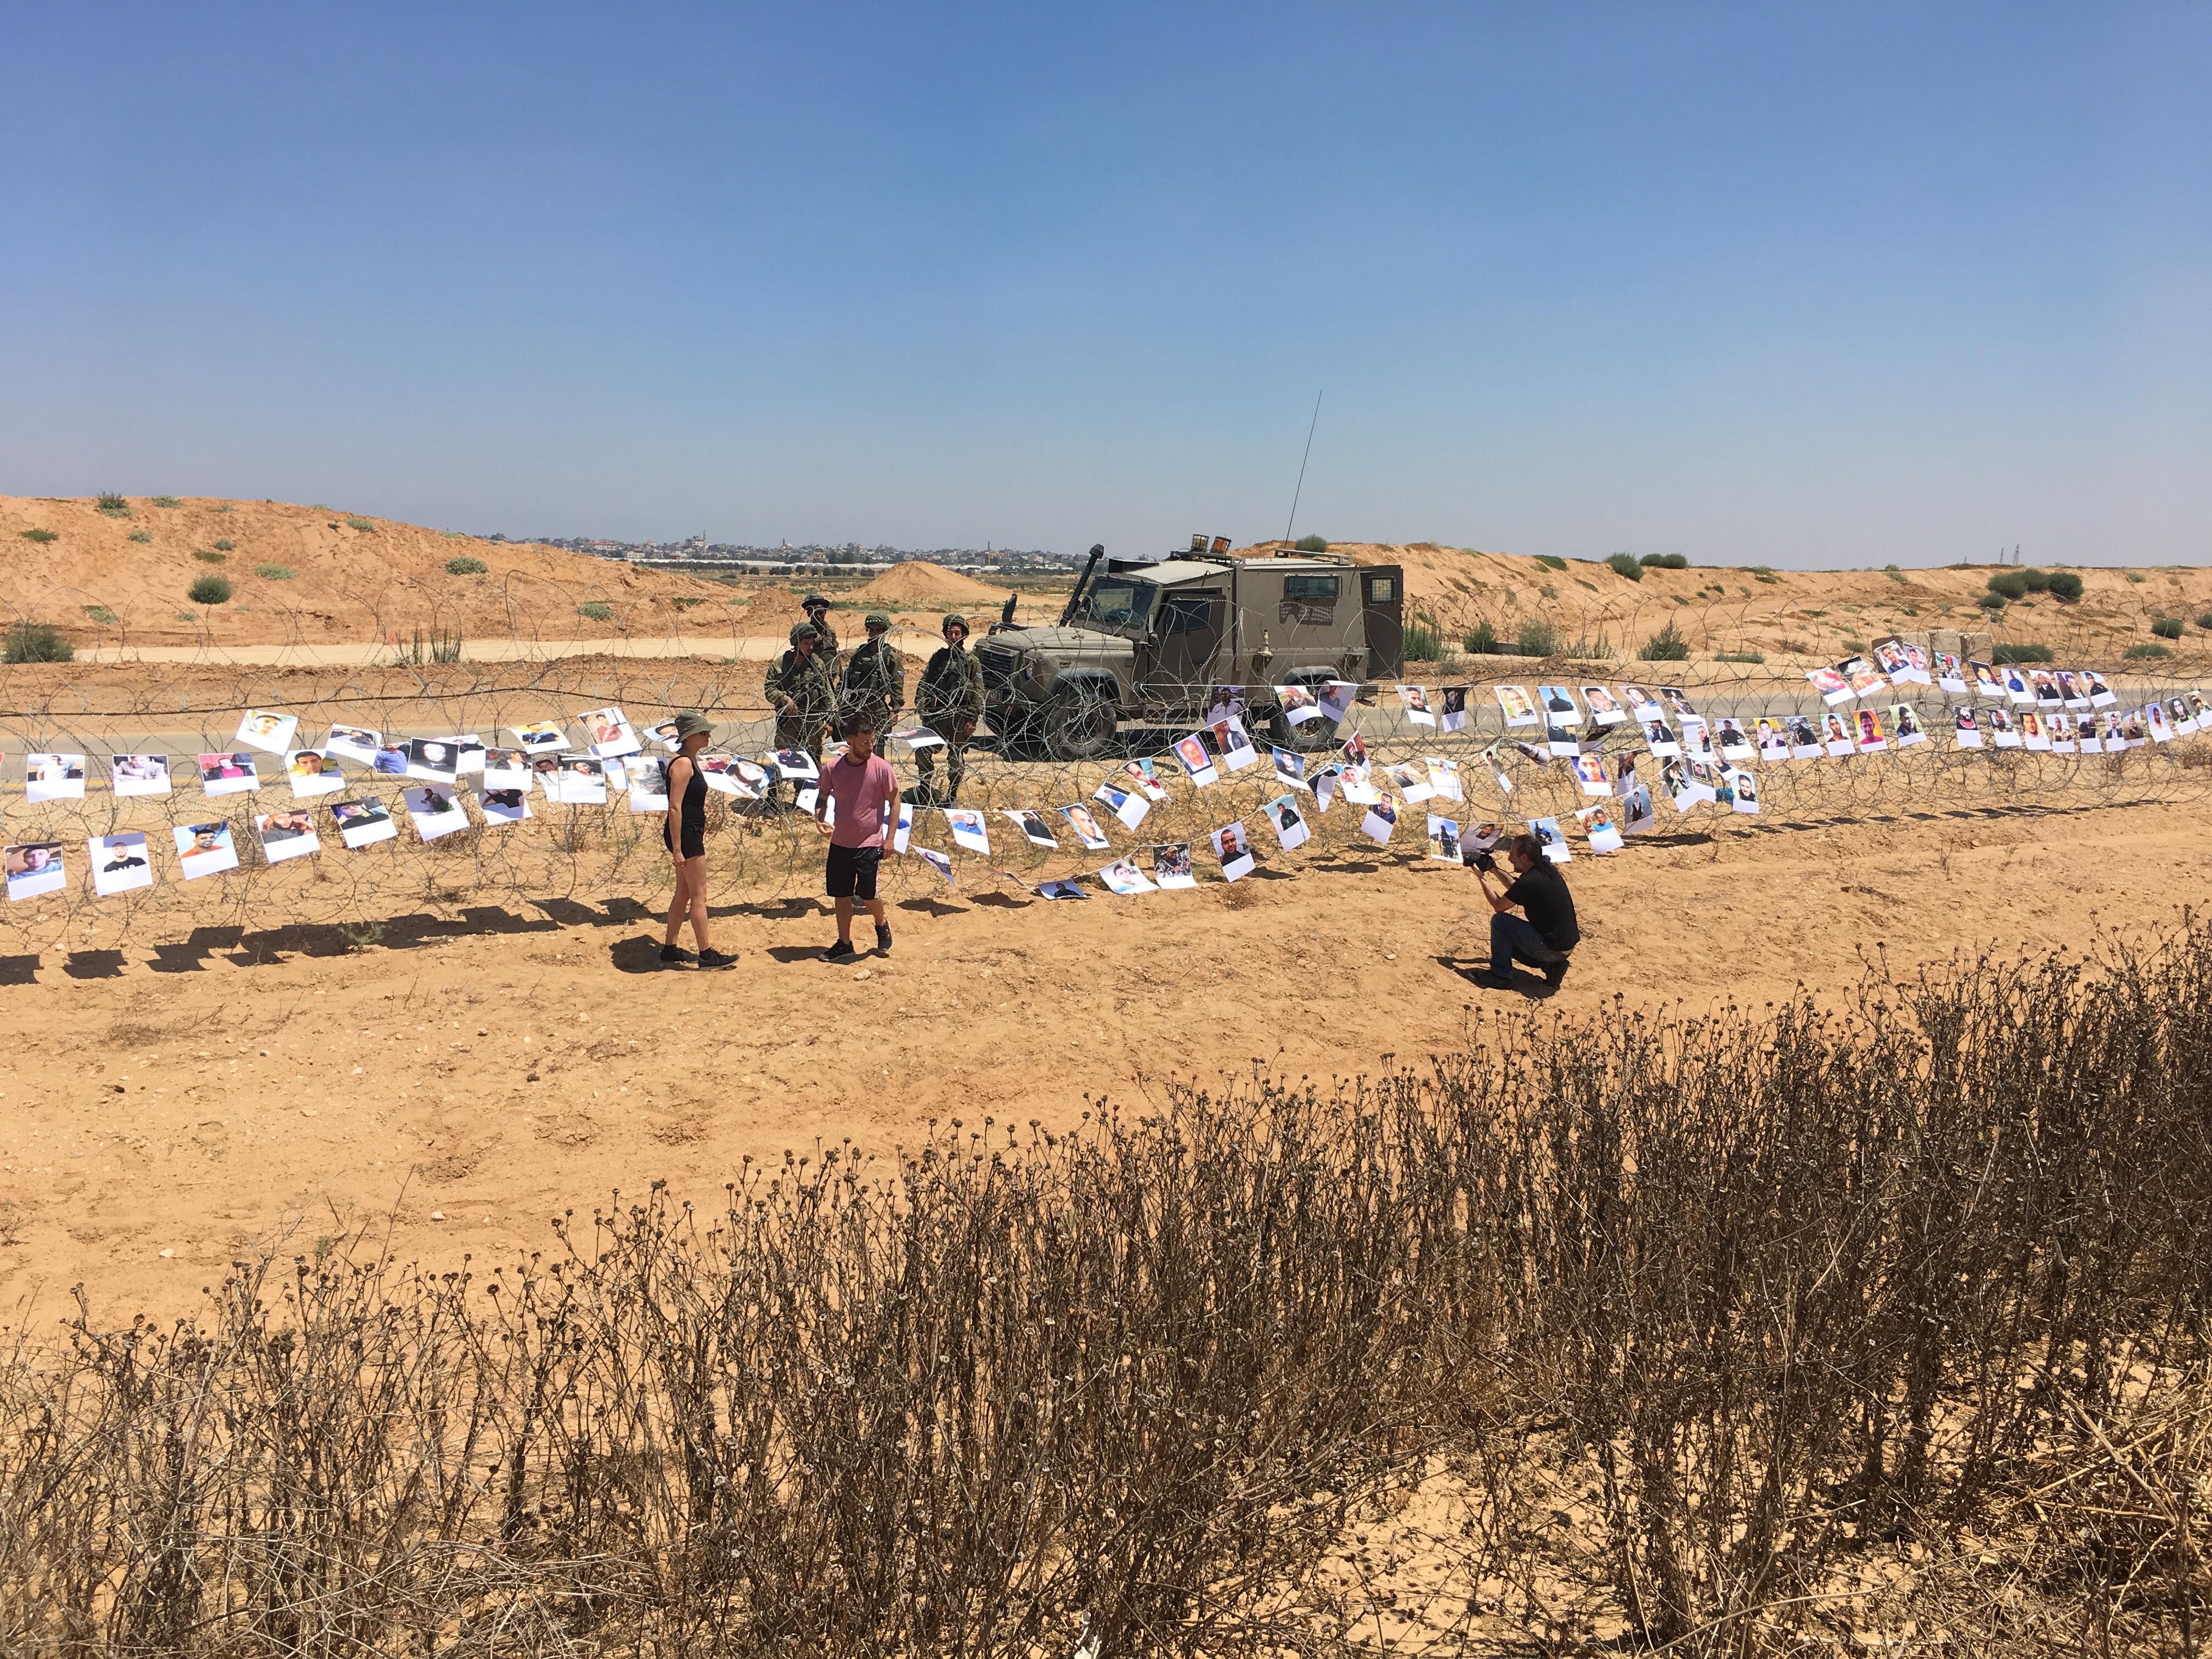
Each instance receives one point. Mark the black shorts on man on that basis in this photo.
(852, 871)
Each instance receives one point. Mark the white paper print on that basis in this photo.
(363, 822)
(1515, 703)
(1088, 830)
(289, 835)
(967, 825)
(1123, 804)
(53, 777)
(1443, 839)
(1554, 844)
(1290, 824)
(267, 731)
(608, 732)
(1416, 700)
(34, 868)
(204, 850)
(1171, 864)
(504, 806)
(311, 773)
(1233, 851)
(434, 811)
(1381, 821)
(227, 774)
(138, 775)
(354, 743)
(120, 863)
(1197, 764)
(1124, 877)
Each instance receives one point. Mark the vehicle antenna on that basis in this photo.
(1300, 491)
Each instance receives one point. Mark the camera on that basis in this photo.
(1484, 862)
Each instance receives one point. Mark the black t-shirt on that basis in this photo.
(1542, 892)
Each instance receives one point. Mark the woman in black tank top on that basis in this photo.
(685, 832)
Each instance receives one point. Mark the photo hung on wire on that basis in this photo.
(120, 863)
(138, 775)
(286, 834)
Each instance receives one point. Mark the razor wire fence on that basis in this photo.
(1487, 774)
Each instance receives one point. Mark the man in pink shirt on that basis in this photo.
(866, 793)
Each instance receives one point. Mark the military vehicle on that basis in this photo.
(1154, 640)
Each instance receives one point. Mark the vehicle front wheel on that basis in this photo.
(1310, 738)
(1080, 723)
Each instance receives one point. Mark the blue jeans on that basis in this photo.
(1513, 937)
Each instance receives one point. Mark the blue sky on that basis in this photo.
(1796, 285)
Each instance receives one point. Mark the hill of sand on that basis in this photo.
(1816, 615)
(917, 581)
(123, 578)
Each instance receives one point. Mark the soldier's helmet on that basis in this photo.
(955, 620)
(805, 631)
(811, 600)
(876, 619)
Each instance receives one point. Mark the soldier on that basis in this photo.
(799, 691)
(875, 677)
(950, 700)
(817, 612)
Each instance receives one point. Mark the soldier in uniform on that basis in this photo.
(950, 700)
(875, 677)
(817, 612)
(799, 691)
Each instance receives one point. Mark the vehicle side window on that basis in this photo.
(1310, 587)
(1185, 613)
(1381, 590)
(1308, 599)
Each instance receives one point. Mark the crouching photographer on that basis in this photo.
(1548, 934)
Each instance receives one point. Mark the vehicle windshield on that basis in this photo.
(1116, 602)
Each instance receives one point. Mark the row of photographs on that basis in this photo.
(120, 864)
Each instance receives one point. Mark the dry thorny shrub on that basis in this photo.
(1764, 1331)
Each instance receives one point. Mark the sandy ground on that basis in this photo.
(154, 1124)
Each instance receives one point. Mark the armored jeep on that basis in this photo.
(1154, 640)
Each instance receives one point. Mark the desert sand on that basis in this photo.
(493, 1070)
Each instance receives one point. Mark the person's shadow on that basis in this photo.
(1471, 969)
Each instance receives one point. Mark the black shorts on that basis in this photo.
(853, 871)
(695, 841)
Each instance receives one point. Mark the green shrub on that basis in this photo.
(595, 611)
(1740, 656)
(362, 525)
(102, 615)
(1625, 564)
(2035, 581)
(1894, 574)
(225, 545)
(2147, 651)
(275, 573)
(167, 500)
(685, 601)
(38, 534)
(113, 505)
(1551, 561)
(1664, 562)
(463, 565)
(226, 508)
(1311, 544)
(1989, 601)
(142, 537)
(32, 642)
(2205, 622)
(206, 557)
(2065, 586)
(1536, 638)
(1423, 642)
(2133, 575)
(2009, 584)
(1481, 640)
(2005, 653)
(2166, 628)
(208, 590)
(1666, 646)
(1759, 569)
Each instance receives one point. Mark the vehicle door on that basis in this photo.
(1383, 611)
(1189, 626)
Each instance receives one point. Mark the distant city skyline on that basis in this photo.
(1806, 286)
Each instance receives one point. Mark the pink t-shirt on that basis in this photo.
(860, 793)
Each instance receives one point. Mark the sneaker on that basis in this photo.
(1556, 972)
(1493, 981)
(672, 955)
(843, 951)
(883, 941)
(713, 958)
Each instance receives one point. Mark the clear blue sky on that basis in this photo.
(1792, 284)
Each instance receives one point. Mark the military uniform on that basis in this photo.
(950, 696)
(800, 692)
(875, 678)
(826, 636)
